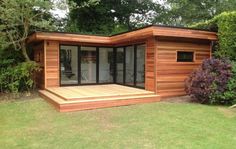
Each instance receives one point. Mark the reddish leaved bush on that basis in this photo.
(211, 78)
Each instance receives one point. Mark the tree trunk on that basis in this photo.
(128, 23)
(24, 52)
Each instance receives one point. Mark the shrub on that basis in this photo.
(224, 24)
(19, 77)
(209, 81)
(230, 94)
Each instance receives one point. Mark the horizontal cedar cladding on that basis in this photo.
(171, 74)
(184, 33)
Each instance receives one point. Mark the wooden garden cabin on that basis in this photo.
(144, 65)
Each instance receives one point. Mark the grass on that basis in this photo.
(35, 124)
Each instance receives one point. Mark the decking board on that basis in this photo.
(116, 95)
(96, 91)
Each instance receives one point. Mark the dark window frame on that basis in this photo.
(113, 64)
(97, 64)
(78, 50)
(135, 65)
(182, 58)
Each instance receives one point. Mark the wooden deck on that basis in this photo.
(67, 99)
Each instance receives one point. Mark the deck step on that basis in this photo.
(101, 96)
(86, 104)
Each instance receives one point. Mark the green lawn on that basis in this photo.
(35, 124)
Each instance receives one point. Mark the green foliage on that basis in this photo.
(225, 24)
(20, 17)
(15, 74)
(17, 77)
(110, 16)
(10, 54)
(230, 93)
(185, 12)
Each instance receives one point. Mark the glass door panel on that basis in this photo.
(95, 65)
(106, 61)
(140, 66)
(69, 65)
(129, 65)
(88, 56)
(120, 65)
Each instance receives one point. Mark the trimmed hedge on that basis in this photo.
(225, 25)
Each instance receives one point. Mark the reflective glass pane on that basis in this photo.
(88, 65)
(140, 69)
(69, 65)
(119, 65)
(129, 65)
(106, 61)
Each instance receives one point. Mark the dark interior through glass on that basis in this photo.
(183, 56)
(98, 65)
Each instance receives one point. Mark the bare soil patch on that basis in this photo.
(180, 99)
(18, 96)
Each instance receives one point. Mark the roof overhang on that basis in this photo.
(139, 34)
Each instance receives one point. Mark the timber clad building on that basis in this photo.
(145, 65)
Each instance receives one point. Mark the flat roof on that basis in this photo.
(137, 34)
(177, 27)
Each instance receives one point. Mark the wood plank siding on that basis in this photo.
(163, 74)
(51, 63)
(39, 58)
(150, 59)
(171, 74)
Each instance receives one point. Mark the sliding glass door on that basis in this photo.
(120, 65)
(106, 65)
(69, 65)
(130, 65)
(88, 65)
(81, 65)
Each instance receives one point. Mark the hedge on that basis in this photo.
(225, 25)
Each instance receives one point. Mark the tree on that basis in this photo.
(111, 16)
(93, 18)
(185, 12)
(20, 17)
(131, 12)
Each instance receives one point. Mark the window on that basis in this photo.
(183, 56)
